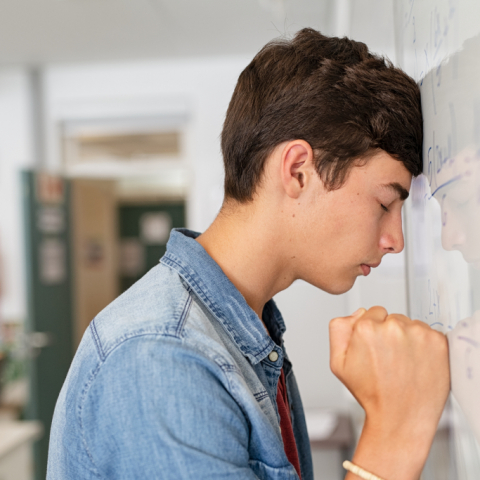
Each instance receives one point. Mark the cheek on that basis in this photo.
(354, 239)
(361, 224)
(350, 214)
(349, 229)
(370, 236)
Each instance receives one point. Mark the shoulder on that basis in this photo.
(155, 305)
(152, 358)
(159, 309)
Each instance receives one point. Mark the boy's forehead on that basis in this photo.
(386, 172)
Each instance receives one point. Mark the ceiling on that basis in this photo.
(52, 31)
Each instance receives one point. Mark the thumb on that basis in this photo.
(358, 313)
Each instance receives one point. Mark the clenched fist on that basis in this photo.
(398, 371)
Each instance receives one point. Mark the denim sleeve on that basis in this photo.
(159, 409)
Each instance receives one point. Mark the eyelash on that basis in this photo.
(384, 207)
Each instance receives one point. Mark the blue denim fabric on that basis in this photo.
(172, 380)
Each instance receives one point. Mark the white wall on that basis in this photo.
(371, 22)
(15, 154)
(307, 312)
(202, 87)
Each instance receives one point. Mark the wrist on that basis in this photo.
(393, 453)
(415, 430)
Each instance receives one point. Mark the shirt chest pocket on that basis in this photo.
(266, 406)
(266, 472)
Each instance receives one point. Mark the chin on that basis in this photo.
(343, 289)
(335, 287)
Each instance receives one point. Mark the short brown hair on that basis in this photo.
(331, 92)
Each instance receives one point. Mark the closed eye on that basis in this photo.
(384, 207)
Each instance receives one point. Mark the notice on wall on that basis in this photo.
(132, 257)
(155, 228)
(53, 261)
(51, 219)
(50, 188)
(93, 252)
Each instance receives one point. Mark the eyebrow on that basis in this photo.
(398, 189)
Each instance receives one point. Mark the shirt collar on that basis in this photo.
(205, 277)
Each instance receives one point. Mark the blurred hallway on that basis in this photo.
(115, 110)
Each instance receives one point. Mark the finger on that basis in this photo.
(398, 317)
(421, 324)
(377, 313)
(358, 313)
(341, 328)
(340, 333)
(417, 323)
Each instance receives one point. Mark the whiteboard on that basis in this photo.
(438, 44)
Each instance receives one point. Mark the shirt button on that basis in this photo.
(273, 356)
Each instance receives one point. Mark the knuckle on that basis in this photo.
(393, 319)
(421, 334)
(418, 329)
(394, 327)
(335, 321)
(334, 324)
(335, 368)
(428, 337)
(398, 317)
(379, 310)
(339, 323)
(419, 324)
(365, 326)
(441, 341)
(392, 322)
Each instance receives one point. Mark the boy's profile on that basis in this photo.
(185, 375)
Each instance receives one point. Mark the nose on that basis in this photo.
(391, 239)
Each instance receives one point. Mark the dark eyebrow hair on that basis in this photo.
(397, 188)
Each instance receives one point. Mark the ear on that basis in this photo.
(297, 160)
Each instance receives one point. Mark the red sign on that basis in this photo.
(50, 188)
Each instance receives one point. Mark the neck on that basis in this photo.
(244, 241)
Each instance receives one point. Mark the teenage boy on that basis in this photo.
(185, 375)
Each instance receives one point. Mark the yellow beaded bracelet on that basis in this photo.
(360, 472)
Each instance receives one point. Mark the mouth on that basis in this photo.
(366, 268)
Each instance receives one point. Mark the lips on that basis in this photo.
(366, 268)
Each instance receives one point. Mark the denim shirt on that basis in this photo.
(173, 380)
